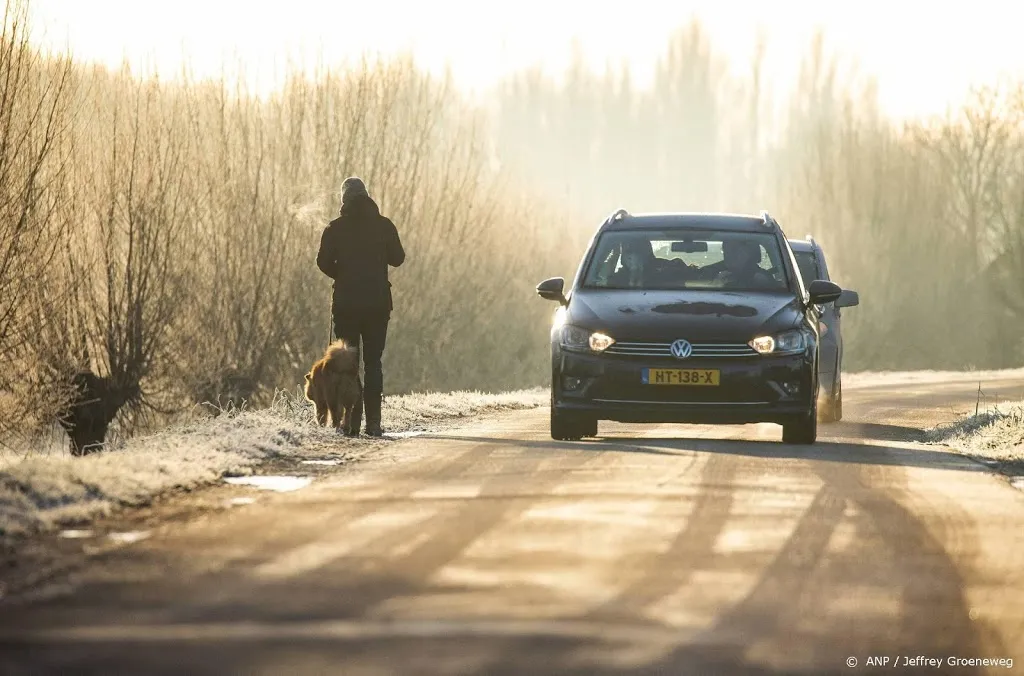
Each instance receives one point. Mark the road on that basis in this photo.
(654, 549)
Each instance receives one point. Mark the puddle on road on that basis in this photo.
(322, 462)
(235, 502)
(281, 484)
(129, 537)
(76, 534)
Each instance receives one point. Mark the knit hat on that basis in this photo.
(352, 187)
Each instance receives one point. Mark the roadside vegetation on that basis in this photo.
(44, 487)
(994, 435)
(157, 238)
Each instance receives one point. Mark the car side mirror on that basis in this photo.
(822, 292)
(848, 299)
(551, 289)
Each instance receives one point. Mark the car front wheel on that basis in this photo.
(802, 429)
(568, 426)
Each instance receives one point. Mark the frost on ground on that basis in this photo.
(424, 412)
(996, 434)
(883, 378)
(40, 490)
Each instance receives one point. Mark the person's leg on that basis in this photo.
(375, 333)
(348, 327)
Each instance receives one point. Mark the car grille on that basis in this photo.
(699, 350)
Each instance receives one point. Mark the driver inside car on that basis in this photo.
(637, 265)
(740, 263)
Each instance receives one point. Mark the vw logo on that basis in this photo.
(681, 349)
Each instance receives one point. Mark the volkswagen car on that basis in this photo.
(686, 318)
(810, 258)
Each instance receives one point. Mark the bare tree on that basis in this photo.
(970, 148)
(1004, 270)
(34, 118)
(240, 336)
(133, 245)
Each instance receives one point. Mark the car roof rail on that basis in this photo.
(618, 215)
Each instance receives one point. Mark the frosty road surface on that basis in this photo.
(654, 549)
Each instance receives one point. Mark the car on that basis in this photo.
(686, 318)
(810, 258)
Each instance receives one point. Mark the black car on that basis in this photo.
(688, 318)
(811, 260)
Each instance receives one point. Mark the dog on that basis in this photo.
(334, 387)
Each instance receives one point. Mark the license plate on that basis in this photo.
(706, 377)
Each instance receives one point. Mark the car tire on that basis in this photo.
(566, 426)
(802, 429)
(569, 425)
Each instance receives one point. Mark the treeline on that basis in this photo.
(157, 240)
(926, 219)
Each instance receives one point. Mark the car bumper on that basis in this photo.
(752, 389)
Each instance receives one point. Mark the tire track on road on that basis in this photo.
(230, 592)
(358, 578)
(941, 592)
(446, 535)
(770, 612)
(691, 549)
(772, 618)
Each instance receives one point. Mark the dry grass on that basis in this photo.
(995, 434)
(43, 490)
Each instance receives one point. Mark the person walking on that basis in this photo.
(355, 251)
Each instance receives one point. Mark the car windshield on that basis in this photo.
(808, 266)
(687, 259)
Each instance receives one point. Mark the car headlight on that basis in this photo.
(574, 337)
(788, 341)
(599, 342)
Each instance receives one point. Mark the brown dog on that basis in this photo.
(333, 386)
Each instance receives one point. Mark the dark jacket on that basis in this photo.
(355, 251)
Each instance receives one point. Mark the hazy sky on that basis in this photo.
(924, 54)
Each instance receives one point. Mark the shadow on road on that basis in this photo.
(824, 451)
(304, 614)
(429, 656)
(876, 431)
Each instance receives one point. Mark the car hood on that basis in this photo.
(710, 316)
